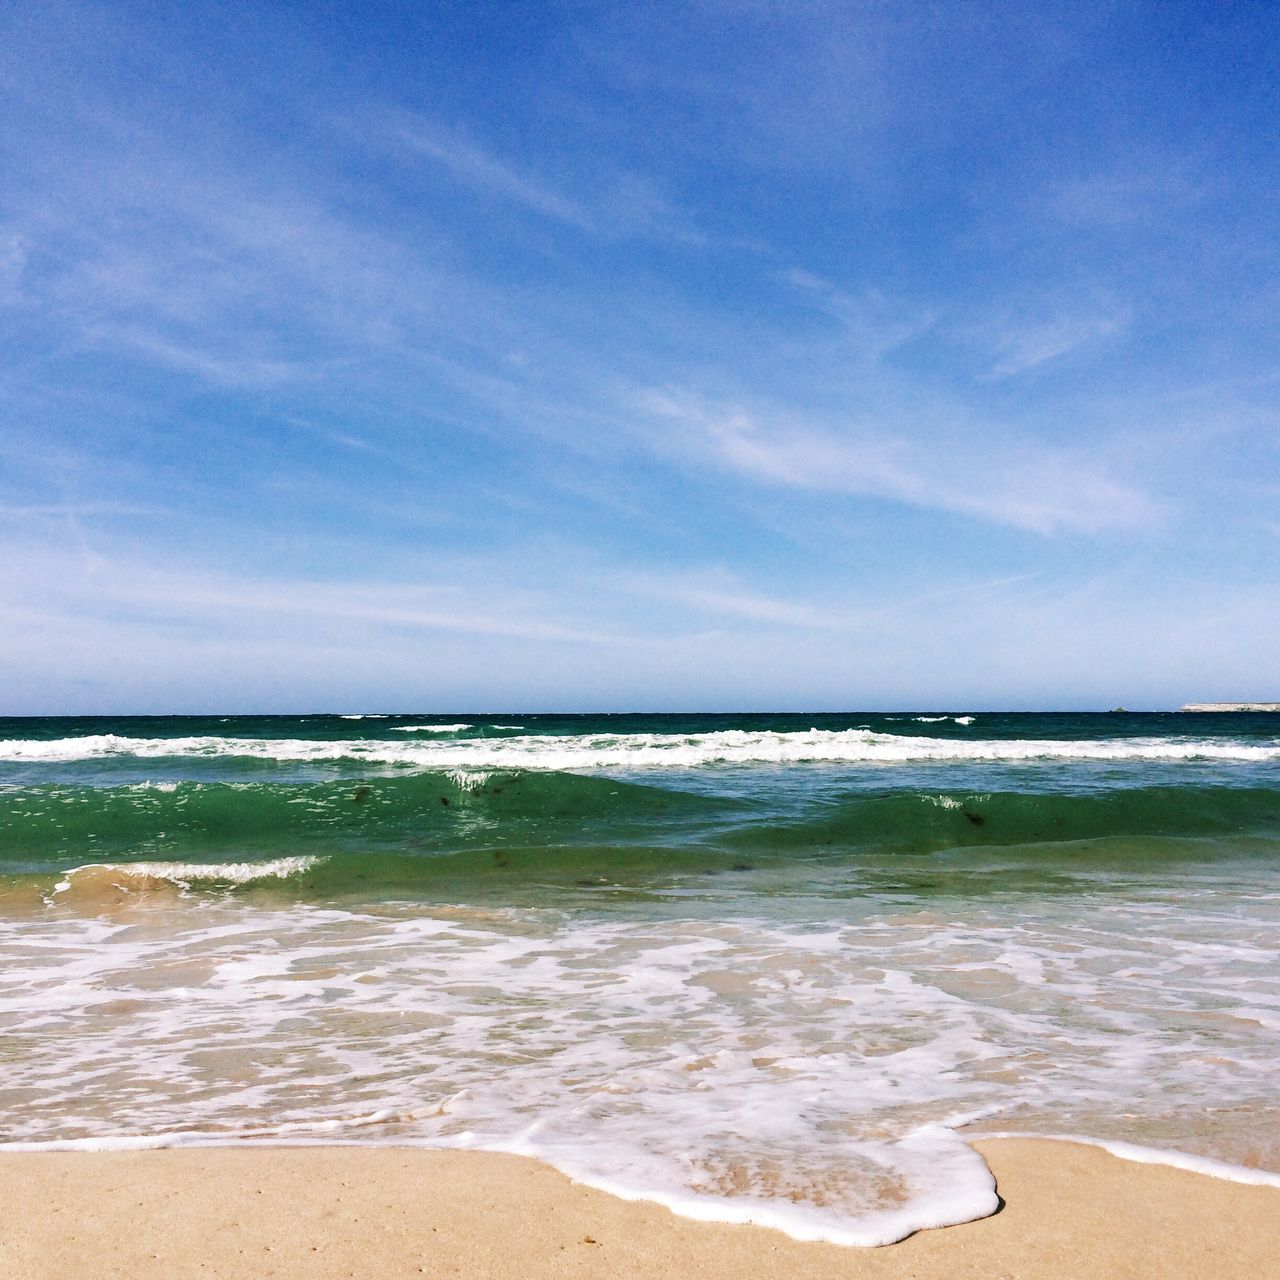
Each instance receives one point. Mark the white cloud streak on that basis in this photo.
(873, 325)
(1023, 348)
(477, 167)
(721, 592)
(55, 587)
(612, 203)
(1007, 481)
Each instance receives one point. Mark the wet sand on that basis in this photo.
(321, 1212)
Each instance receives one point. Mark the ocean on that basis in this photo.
(769, 968)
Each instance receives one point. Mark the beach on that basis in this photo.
(770, 970)
(330, 1212)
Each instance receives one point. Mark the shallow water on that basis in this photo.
(763, 968)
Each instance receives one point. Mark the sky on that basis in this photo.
(586, 356)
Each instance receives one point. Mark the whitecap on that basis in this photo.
(430, 728)
(184, 874)
(649, 750)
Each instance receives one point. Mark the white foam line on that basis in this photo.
(123, 1142)
(183, 873)
(972, 1197)
(977, 1199)
(430, 728)
(322, 1137)
(1206, 1165)
(287, 1134)
(894, 1225)
(654, 750)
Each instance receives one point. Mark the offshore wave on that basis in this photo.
(436, 812)
(914, 822)
(644, 750)
(403, 829)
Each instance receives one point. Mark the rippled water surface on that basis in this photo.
(765, 968)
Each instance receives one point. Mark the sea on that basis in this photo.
(768, 968)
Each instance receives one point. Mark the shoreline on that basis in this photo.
(1068, 1208)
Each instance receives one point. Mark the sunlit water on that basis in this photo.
(760, 972)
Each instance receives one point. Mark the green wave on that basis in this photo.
(914, 822)
(386, 834)
(423, 813)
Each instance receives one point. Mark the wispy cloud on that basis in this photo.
(757, 608)
(218, 271)
(470, 163)
(873, 324)
(1021, 348)
(720, 592)
(609, 203)
(953, 467)
(24, 511)
(236, 369)
(156, 596)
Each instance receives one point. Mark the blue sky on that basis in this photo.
(667, 356)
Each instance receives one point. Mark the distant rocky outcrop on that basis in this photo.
(1232, 706)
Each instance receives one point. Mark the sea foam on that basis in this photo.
(185, 874)
(430, 728)
(648, 750)
(808, 1077)
(1137, 1154)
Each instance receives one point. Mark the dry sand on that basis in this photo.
(314, 1213)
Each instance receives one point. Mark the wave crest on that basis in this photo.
(185, 874)
(647, 750)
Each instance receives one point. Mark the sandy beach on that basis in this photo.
(321, 1212)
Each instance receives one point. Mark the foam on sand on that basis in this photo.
(809, 1078)
(1138, 1154)
(1069, 1211)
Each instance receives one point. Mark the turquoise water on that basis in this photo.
(765, 967)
